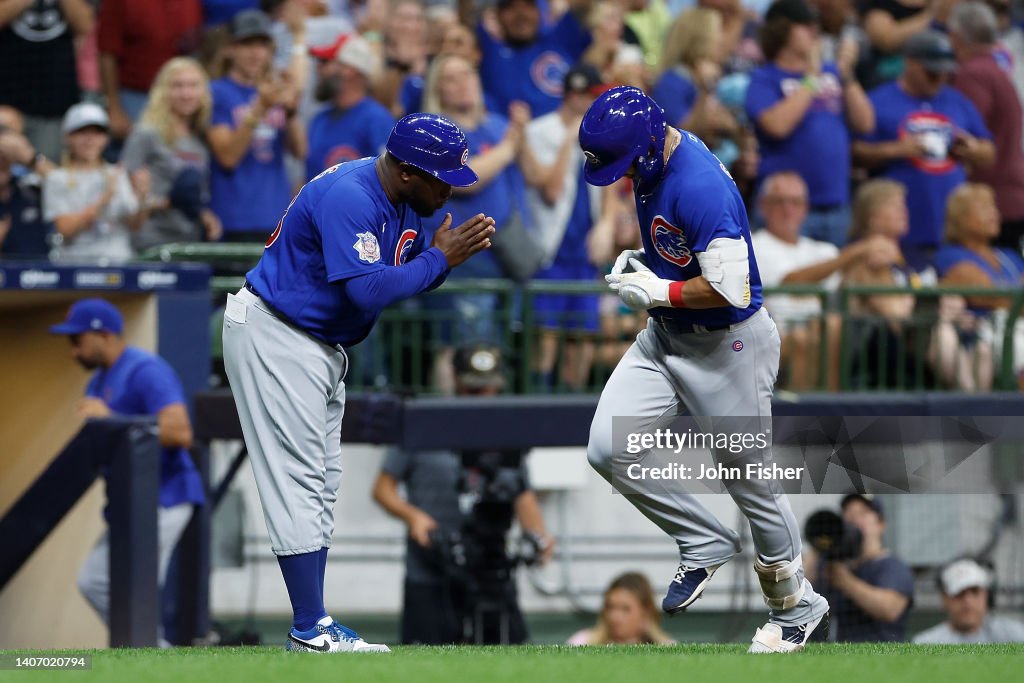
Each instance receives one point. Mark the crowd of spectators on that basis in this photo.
(850, 128)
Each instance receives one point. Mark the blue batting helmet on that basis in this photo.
(621, 128)
(434, 144)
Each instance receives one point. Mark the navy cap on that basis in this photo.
(866, 498)
(932, 49)
(91, 315)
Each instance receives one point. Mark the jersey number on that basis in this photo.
(277, 231)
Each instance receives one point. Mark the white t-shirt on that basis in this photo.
(776, 259)
(108, 240)
(995, 629)
(545, 135)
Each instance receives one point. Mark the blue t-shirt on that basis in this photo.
(1008, 274)
(930, 178)
(499, 198)
(140, 383)
(252, 195)
(336, 136)
(854, 625)
(339, 226)
(675, 93)
(818, 149)
(695, 202)
(534, 73)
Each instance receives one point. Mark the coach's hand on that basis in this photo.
(420, 526)
(459, 244)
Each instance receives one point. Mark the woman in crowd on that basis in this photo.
(628, 616)
(453, 90)
(689, 72)
(879, 345)
(93, 205)
(619, 62)
(170, 144)
(967, 342)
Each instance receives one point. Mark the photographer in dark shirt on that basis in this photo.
(870, 592)
(459, 582)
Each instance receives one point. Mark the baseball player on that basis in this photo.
(709, 348)
(351, 243)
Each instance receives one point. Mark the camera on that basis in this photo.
(476, 557)
(833, 537)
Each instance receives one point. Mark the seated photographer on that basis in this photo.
(458, 574)
(966, 589)
(629, 616)
(870, 589)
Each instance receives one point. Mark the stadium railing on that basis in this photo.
(872, 353)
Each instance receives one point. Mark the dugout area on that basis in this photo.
(42, 385)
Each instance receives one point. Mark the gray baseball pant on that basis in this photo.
(664, 373)
(94, 575)
(290, 396)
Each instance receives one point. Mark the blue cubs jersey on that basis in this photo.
(532, 73)
(695, 202)
(930, 178)
(140, 383)
(336, 136)
(339, 226)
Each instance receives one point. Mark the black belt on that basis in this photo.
(680, 327)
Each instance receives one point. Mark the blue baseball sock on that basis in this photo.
(302, 577)
(323, 570)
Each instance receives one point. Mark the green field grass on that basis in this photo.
(532, 664)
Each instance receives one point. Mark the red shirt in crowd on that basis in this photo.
(988, 86)
(143, 34)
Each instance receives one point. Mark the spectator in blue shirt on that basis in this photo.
(798, 105)
(254, 119)
(870, 595)
(925, 134)
(353, 125)
(130, 381)
(527, 61)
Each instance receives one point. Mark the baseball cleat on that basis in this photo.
(688, 585)
(774, 638)
(328, 636)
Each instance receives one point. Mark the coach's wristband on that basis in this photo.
(675, 294)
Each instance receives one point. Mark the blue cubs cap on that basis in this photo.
(91, 315)
(621, 128)
(433, 144)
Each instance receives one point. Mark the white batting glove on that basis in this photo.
(624, 260)
(640, 290)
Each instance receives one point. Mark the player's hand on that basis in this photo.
(640, 290)
(622, 263)
(459, 244)
(420, 526)
(90, 407)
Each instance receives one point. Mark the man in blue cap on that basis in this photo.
(131, 381)
(353, 241)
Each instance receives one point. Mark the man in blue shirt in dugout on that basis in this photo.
(131, 381)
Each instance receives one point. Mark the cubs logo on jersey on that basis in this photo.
(670, 242)
(367, 248)
(404, 246)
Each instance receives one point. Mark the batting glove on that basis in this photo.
(625, 258)
(640, 290)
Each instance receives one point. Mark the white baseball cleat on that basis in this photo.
(328, 636)
(777, 639)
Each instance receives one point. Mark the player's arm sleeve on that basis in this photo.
(715, 234)
(158, 387)
(380, 288)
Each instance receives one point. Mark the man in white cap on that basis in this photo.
(353, 125)
(965, 586)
